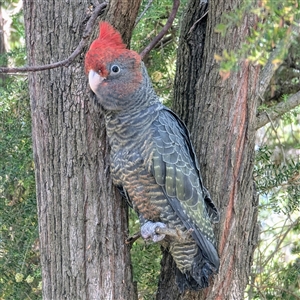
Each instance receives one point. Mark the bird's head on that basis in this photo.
(115, 73)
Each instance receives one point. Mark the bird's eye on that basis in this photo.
(115, 69)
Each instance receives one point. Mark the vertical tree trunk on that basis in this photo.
(3, 61)
(221, 116)
(82, 220)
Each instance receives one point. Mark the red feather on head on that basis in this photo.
(108, 38)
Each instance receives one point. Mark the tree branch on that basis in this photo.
(270, 68)
(163, 31)
(194, 25)
(262, 289)
(143, 12)
(66, 62)
(280, 240)
(278, 110)
(277, 136)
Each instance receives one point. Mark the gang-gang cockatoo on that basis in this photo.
(152, 160)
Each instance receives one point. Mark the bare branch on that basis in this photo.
(280, 240)
(163, 31)
(277, 136)
(263, 288)
(278, 110)
(66, 62)
(143, 12)
(270, 68)
(133, 238)
(194, 25)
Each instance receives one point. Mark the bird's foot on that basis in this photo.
(175, 233)
(184, 235)
(149, 231)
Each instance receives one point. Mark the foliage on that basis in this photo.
(20, 276)
(279, 184)
(273, 21)
(13, 16)
(276, 269)
(19, 258)
(146, 262)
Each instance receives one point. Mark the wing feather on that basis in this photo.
(176, 170)
(159, 168)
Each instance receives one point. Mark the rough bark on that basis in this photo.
(221, 116)
(82, 220)
(3, 61)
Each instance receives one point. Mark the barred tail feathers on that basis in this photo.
(198, 277)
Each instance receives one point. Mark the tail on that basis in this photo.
(198, 277)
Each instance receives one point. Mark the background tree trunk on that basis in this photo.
(82, 220)
(221, 116)
(3, 60)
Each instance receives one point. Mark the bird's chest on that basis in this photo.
(128, 163)
(131, 170)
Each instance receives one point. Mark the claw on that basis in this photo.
(148, 231)
(175, 233)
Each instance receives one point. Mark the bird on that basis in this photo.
(152, 160)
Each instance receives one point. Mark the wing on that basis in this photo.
(176, 170)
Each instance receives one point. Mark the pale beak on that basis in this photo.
(94, 80)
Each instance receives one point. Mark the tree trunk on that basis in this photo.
(3, 60)
(82, 220)
(221, 116)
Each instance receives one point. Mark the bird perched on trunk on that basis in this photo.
(153, 161)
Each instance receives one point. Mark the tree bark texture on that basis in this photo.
(82, 219)
(3, 61)
(220, 115)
